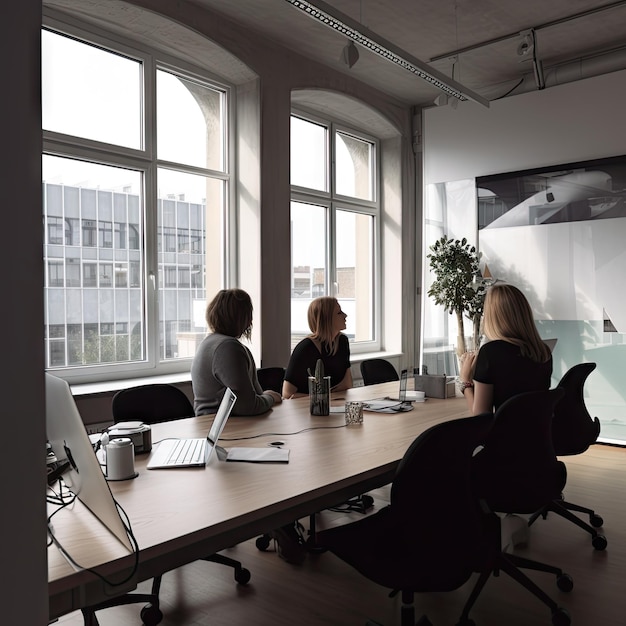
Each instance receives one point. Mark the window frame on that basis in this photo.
(334, 202)
(146, 163)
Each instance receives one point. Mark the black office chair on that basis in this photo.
(433, 535)
(152, 404)
(573, 431)
(271, 378)
(374, 371)
(517, 471)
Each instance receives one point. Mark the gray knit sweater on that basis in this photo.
(222, 361)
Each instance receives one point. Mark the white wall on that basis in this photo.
(573, 122)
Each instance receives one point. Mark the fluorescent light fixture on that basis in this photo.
(343, 24)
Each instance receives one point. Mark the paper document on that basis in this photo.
(259, 455)
(387, 406)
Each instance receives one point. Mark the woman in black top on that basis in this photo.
(514, 360)
(326, 342)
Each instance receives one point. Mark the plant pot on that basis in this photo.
(319, 395)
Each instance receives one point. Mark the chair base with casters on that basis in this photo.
(360, 504)
(151, 614)
(564, 509)
(512, 565)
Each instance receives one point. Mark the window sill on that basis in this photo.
(111, 386)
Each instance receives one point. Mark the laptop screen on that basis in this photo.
(223, 412)
(403, 380)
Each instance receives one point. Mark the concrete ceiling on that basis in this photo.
(475, 42)
(575, 39)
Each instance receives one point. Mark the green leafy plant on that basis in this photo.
(455, 265)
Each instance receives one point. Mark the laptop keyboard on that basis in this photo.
(186, 451)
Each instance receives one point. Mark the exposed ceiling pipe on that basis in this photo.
(586, 67)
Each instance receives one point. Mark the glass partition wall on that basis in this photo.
(558, 235)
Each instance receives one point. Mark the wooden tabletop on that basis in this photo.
(178, 515)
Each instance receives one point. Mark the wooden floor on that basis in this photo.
(325, 591)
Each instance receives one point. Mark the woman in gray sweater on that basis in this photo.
(222, 360)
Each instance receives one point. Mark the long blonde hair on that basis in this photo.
(320, 316)
(508, 316)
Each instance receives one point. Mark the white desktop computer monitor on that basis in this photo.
(69, 441)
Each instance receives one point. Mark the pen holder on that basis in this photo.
(319, 395)
(354, 413)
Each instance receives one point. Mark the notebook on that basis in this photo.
(196, 452)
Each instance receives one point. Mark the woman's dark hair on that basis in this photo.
(230, 313)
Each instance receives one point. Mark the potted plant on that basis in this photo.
(455, 265)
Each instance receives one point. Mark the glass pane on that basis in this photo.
(354, 167)
(191, 257)
(308, 258)
(355, 272)
(87, 289)
(308, 154)
(90, 92)
(190, 125)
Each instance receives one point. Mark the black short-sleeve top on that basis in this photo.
(305, 356)
(501, 364)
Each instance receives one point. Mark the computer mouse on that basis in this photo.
(276, 444)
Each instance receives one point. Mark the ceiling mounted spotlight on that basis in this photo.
(350, 54)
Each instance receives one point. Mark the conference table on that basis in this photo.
(180, 515)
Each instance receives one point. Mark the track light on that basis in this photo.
(350, 54)
(341, 23)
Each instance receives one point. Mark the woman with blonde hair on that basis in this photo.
(326, 342)
(514, 360)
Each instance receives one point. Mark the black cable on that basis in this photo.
(297, 432)
(510, 91)
(129, 533)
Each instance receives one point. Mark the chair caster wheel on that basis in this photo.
(243, 576)
(561, 617)
(263, 542)
(565, 582)
(151, 615)
(599, 542)
(595, 520)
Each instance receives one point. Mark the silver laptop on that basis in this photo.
(405, 395)
(196, 452)
(70, 443)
